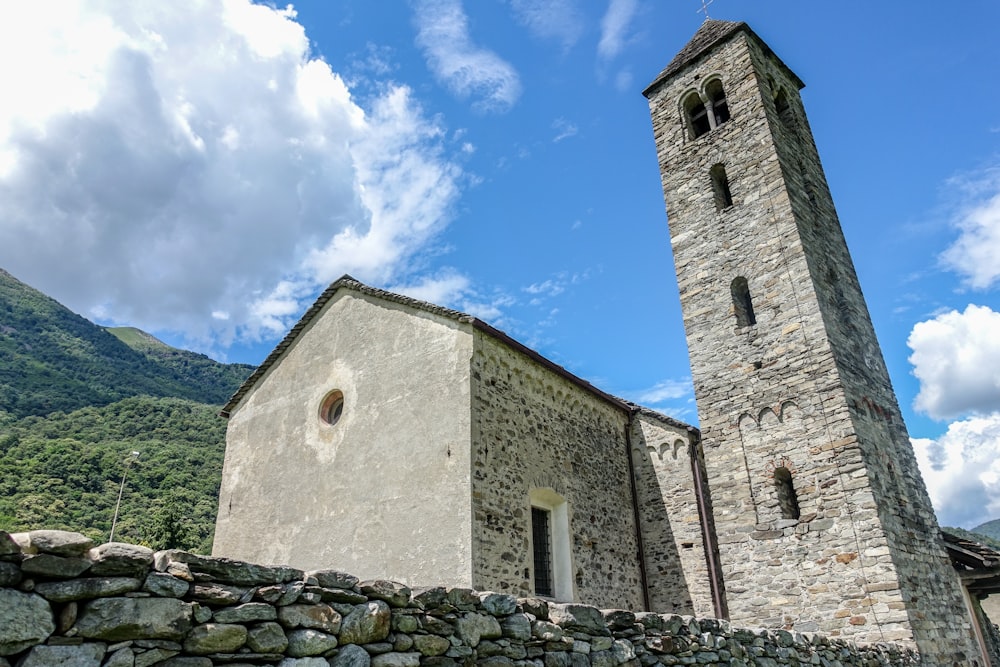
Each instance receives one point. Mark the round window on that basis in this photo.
(332, 407)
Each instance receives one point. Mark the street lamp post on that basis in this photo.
(114, 522)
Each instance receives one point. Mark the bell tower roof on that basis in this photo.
(711, 33)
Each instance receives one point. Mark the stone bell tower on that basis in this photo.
(823, 521)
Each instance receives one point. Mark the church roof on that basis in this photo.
(977, 564)
(349, 283)
(711, 33)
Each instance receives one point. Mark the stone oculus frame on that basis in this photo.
(822, 518)
(447, 434)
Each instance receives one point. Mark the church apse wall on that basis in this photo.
(378, 485)
(671, 516)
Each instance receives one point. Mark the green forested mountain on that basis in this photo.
(52, 359)
(990, 529)
(77, 399)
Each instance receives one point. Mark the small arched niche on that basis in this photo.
(784, 109)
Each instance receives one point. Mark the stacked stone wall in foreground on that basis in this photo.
(65, 602)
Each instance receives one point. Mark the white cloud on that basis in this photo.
(443, 290)
(956, 357)
(467, 69)
(376, 60)
(614, 27)
(976, 253)
(454, 290)
(551, 19)
(166, 165)
(962, 471)
(550, 287)
(491, 309)
(564, 129)
(662, 392)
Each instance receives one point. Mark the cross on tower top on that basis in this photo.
(704, 8)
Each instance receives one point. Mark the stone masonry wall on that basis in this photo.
(898, 494)
(532, 429)
(65, 602)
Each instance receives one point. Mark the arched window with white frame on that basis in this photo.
(552, 560)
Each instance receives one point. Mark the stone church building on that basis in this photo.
(393, 438)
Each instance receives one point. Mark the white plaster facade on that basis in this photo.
(385, 492)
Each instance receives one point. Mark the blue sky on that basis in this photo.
(203, 171)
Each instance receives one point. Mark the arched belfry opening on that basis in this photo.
(784, 109)
(717, 101)
(704, 111)
(697, 115)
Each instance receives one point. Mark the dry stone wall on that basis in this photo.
(65, 602)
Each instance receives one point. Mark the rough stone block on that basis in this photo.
(119, 619)
(59, 542)
(394, 593)
(88, 588)
(84, 655)
(578, 618)
(366, 623)
(351, 655)
(25, 620)
(313, 616)
(120, 559)
(305, 642)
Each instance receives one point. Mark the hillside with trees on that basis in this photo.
(76, 400)
(990, 529)
(52, 359)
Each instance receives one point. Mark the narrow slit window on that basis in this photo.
(788, 501)
(720, 187)
(697, 115)
(717, 97)
(540, 537)
(784, 110)
(742, 303)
